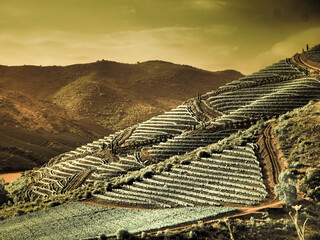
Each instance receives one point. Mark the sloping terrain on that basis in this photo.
(96, 218)
(236, 106)
(110, 92)
(32, 131)
(45, 111)
(226, 148)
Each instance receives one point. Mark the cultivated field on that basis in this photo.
(82, 221)
(211, 154)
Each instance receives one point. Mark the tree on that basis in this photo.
(286, 189)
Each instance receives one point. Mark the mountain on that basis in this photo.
(33, 131)
(248, 150)
(45, 111)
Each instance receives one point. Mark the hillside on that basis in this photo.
(109, 92)
(247, 152)
(45, 111)
(32, 131)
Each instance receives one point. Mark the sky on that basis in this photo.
(245, 35)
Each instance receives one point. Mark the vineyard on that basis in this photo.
(211, 155)
(226, 178)
(314, 54)
(229, 178)
(65, 221)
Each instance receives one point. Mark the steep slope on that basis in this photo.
(296, 132)
(221, 148)
(196, 123)
(46, 111)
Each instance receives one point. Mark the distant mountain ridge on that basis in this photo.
(66, 106)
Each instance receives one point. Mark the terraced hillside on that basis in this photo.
(196, 123)
(218, 149)
(230, 177)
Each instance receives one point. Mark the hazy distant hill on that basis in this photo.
(45, 111)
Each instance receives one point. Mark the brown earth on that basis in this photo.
(8, 177)
(308, 62)
(32, 131)
(272, 160)
(302, 60)
(45, 111)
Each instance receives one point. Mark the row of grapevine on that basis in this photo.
(92, 147)
(56, 179)
(277, 72)
(254, 102)
(173, 122)
(314, 53)
(227, 178)
(185, 143)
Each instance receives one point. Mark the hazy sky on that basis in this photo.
(211, 34)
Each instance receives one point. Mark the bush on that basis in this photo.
(312, 181)
(123, 234)
(147, 174)
(19, 213)
(168, 166)
(18, 186)
(3, 193)
(102, 237)
(286, 189)
(203, 154)
(88, 194)
(108, 186)
(54, 204)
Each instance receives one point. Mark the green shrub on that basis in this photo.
(88, 194)
(168, 166)
(123, 234)
(54, 203)
(147, 174)
(203, 154)
(102, 237)
(286, 189)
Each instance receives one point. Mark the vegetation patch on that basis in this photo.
(298, 133)
(99, 221)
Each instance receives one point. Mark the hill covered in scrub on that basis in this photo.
(45, 111)
(247, 151)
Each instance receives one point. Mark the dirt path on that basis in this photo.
(267, 138)
(301, 60)
(8, 177)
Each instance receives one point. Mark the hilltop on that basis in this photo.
(45, 111)
(237, 162)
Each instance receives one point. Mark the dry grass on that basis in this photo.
(300, 229)
(298, 134)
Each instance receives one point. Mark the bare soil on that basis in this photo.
(8, 177)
